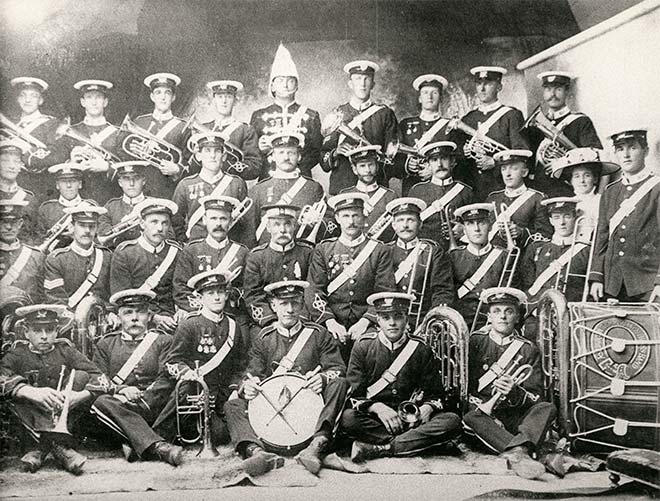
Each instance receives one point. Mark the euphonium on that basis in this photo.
(10, 130)
(60, 422)
(480, 145)
(91, 150)
(54, 232)
(519, 376)
(555, 145)
(334, 122)
(408, 410)
(234, 153)
(146, 146)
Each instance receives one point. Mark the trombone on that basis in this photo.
(239, 211)
(311, 216)
(60, 422)
(519, 376)
(144, 145)
(582, 223)
(415, 308)
(513, 251)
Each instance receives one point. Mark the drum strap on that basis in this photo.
(555, 267)
(222, 352)
(389, 376)
(498, 368)
(89, 281)
(374, 199)
(510, 211)
(485, 127)
(628, 206)
(472, 282)
(15, 269)
(352, 268)
(199, 212)
(406, 265)
(429, 134)
(135, 357)
(290, 358)
(441, 203)
(152, 281)
(360, 118)
(287, 198)
(167, 128)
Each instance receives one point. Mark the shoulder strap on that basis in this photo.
(135, 357)
(555, 267)
(498, 367)
(290, 358)
(509, 212)
(286, 198)
(568, 120)
(485, 127)
(351, 269)
(389, 376)
(472, 282)
(360, 118)
(89, 281)
(430, 134)
(199, 212)
(167, 128)
(228, 258)
(19, 196)
(441, 203)
(229, 130)
(406, 265)
(103, 135)
(222, 353)
(374, 199)
(628, 206)
(35, 123)
(152, 281)
(15, 269)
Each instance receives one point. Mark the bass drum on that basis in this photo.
(289, 431)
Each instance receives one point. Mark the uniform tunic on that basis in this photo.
(135, 261)
(30, 277)
(348, 303)
(373, 354)
(274, 118)
(50, 212)
(375, 210)
(271, 263)
(118, 208)
(66, 269)
(379, 129)
(628, 260)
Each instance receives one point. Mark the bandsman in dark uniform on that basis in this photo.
(211, 180)
(495, 120)
(208, 344)
(94, 128)
(11, 163)
(345, 270)
(285, 114)
(386, 369)
(30, 96)
(478, 265)
(132, 358)
(626, 258)
(286, 184)
(34, 375)
(418, 131)
(440, 192)
(576, 127)
(165, 126)
(290, 344)
(238, 134)
(21, 266)
(376, 122)
(283, 258)
(516, 424)
(82, 268)
(518, 207)
(148, 262)
(416, 259)
(366, 162)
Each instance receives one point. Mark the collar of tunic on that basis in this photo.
(134, 200)
(27, 119)
(9, 188)
(366, 188)
(282, 248)
(148, 247)
(69, 203)
(472, 249)
(204, 175)
(487, 108)
(213, 317)
(81, 251)
(359, 105)
(561, 241)
(560, 113)
(38, 352)
(442, 182)
(15, 245)
(352, 243)
(94, 122)
(214, 244)
(289, 332)
(499, 340)
(280, 174)
(161, 117)
(125, 336)
(429, 116)
(637, 178)
(515, 192)
(410, 245)
(223, 122)
(388, 344)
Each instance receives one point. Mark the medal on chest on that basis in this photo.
(204, 263)
(207, 342)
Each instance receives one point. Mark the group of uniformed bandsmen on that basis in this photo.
(203, 276)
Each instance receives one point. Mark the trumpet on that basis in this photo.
(132, 220)
(480, 145)
(555, 145)
(235, 155)
(395, 148)
(54, 233)
(408, 410)
(513, 251)
(60, 422)
(380, 225)
(334, 122)
(91, 151)
(10, 130)
(311, 216)
(519, 376)
(146, 146)
(198, 405)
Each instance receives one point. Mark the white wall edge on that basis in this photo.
(626, 16)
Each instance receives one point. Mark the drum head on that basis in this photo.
(301, 413)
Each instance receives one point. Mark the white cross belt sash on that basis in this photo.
(19, 196)
(287, 198)
(98, 139)
(134, 359)
(568, 120)
(498, 368)
(507, 214)
(89, 281)
(352, 268)
(360, 118)
(389, 376)
(199, 212)
(229, 130)
(406, 265)
(472, 282)
(430, 134)
(555, 267)
(289, 359)
(167, 128)
(34, 124)
(153, 280)
(492, 120)
(628, 206)
(374, 199)
(222, 353)
(16, 268)
(441, 203)
(228, 258)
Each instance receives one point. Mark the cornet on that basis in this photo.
(54, 232)
(60, 422)
(395, 148)
(311, 216)
(146, 146)
(235, 155)
(409, 410)
(91, 151)
(519, 376)
(447, 222)
(480, 145)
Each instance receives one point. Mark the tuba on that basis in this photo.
(144, 145)
(9, 130)
(89, 324)
(555, 145)
(444, 330)
(480, 145)
(92, 151)
(53, 234)
(13, 328)
(519, 373)
(234, 153)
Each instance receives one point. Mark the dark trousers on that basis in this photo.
(625, 298)
(366, 427)
(334, 397)
(128, 420)
(39, 422)
(519, 427)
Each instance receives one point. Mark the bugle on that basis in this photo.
(311, 216)
(91, 150)
(555, 145)
(480, 145)
(10, 130)
(144, 145)
(519, 376)
(513, 251)
(235, 155)
(54, 233)
(60, 418)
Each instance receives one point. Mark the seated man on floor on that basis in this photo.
(386, 369)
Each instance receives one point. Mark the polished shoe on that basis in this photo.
(167, 453)
(361, 451)
(522, 465)
(72, 461)
(129, 453)
(310, 457)
(33, 460)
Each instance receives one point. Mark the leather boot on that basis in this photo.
(167, 453)
(68, 459)
(256, 462)
(129, 453)
(32, 460)
(522, 465)
(361, 451)
(310, 457)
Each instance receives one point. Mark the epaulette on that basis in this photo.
(46, 202)
(191, 314)
(111, 334)
(126, 243)
(460, 247)
(331, 239)
(116, 199)
(196, 241)
(61, 250)
(27, 191)
(368, 335)
(495, 193)
(428, 241)
(143, 116)
(160, 332)
(614, 182)
(305, 243)
(269, 178)
(536, 191)
(309, 323)
(65, 341)
(464, 185)
(189, 177)
(480, 332)
(102, 247)
(267, 330)
(519, 336)
(78, 124)
(420, 184)
(49, 117)
(34, 248)
(174, 243)
(259, 247)
(19, 342)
